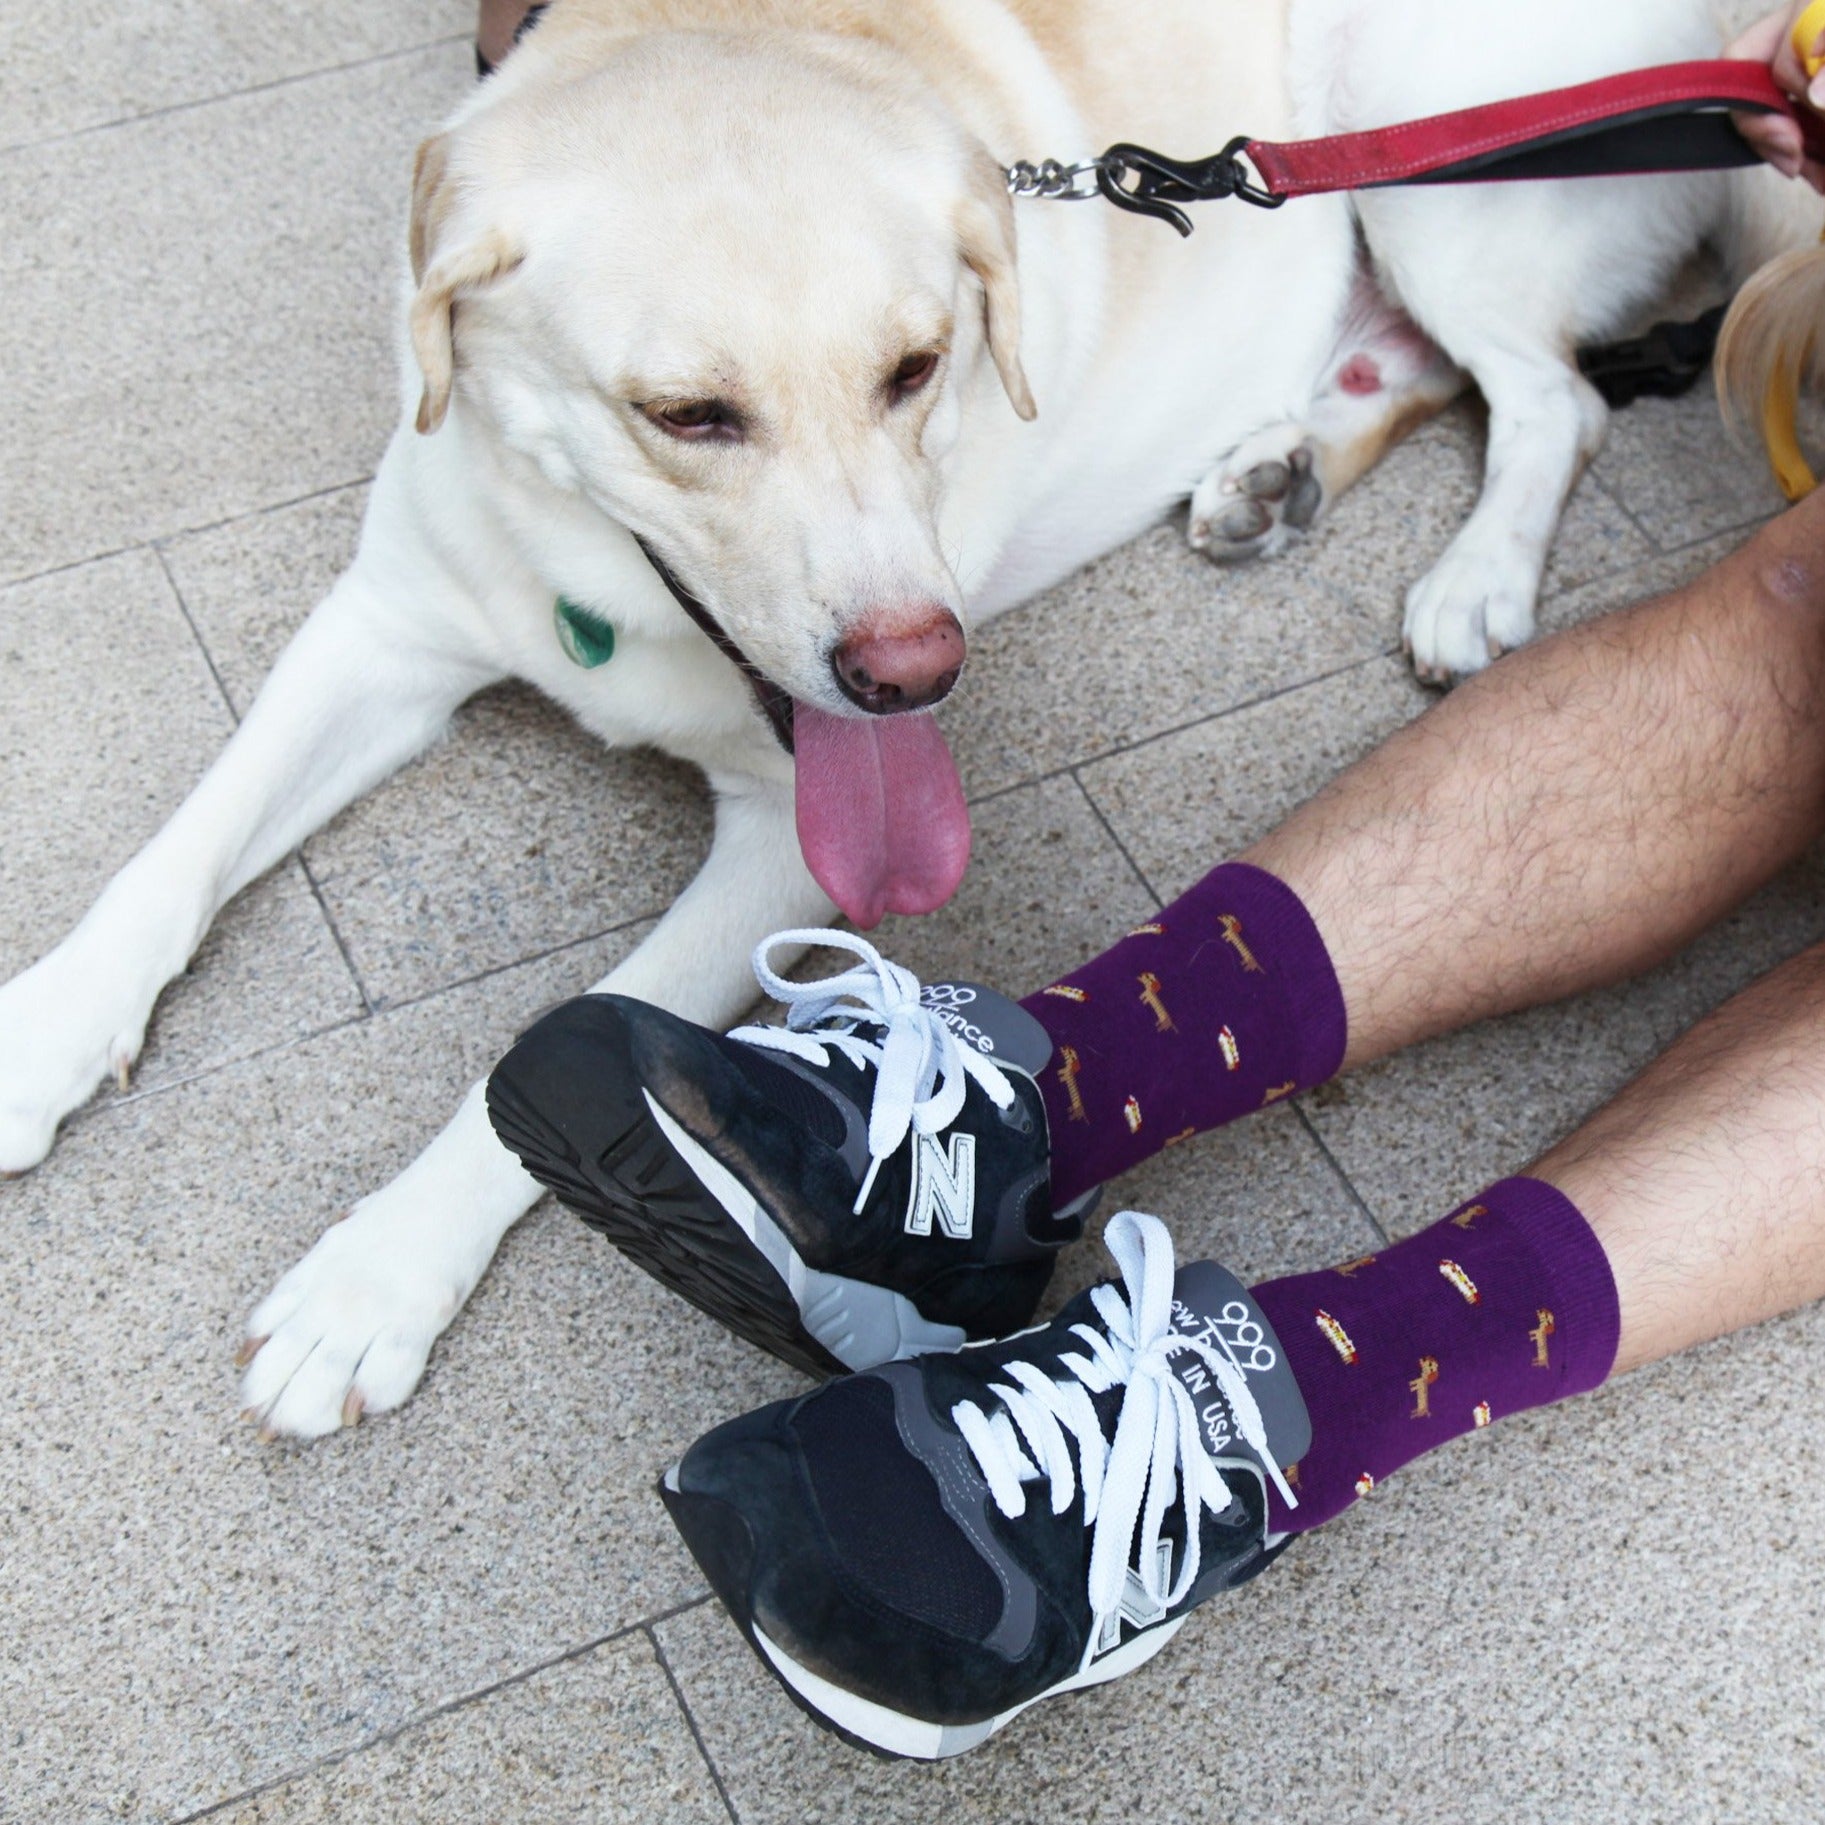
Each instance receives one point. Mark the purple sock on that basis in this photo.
(1224, 1003)
(1508, 1303)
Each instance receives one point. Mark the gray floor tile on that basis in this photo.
(1153, 636)
(1232, 778)
(190, 1613)
(1259, 1196)
(1393, 526)
(1182, 804)
(108, 716)
(597, 1740)
(67, 68)
(1530, 1624)
(199, 307)
(1141, 641)
(516, 834)
(1659, 576)
(248, 585)
(1672, 464)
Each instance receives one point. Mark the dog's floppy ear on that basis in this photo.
(444, 275)
(985, 230)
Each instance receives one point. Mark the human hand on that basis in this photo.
(1774, 136)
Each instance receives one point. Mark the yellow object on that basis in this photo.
(1780, 410)
(1807, 31)
(1780, 433)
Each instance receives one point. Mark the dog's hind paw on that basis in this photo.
(349, 1329)
(1259, 498)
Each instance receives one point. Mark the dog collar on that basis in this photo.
(587, 639)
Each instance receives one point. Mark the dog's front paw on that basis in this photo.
(62, 1032)
(1259, 498)
(1468, 609)
(348, 1330)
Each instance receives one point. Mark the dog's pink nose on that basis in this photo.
(901, 668)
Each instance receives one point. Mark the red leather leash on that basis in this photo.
(1672, 118)
(1675, 117)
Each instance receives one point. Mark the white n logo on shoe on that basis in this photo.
(1139, 1608)
(943, 1187)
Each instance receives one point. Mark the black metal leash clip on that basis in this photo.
(1149, 183)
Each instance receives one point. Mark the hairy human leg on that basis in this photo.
(1569, 820)
(1705, 1178)
(1583, 811)
(1691, 1205)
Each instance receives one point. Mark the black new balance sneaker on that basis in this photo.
(866, 1182)
(920, 1552)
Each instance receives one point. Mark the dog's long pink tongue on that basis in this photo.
(881, 816)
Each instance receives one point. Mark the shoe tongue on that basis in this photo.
(1210, 1304)
(881, 817)
(988, 1022)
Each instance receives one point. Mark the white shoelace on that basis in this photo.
(1158, 1437)
(921, 1068)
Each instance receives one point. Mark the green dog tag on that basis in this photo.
(587, 639)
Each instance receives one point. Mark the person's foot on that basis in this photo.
(921, 1552)
(868, 1181)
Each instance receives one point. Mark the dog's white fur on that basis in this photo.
(631, 213)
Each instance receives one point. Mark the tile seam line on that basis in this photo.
(417, 1722)
(304, 868)
(16, 147)
(1121, 848)
(1604, 487)
(95, 1111)
(1735, 529)
(1123, 749)
(157, 540)
(196, 634)
(1343, 1178)
(690, 1720)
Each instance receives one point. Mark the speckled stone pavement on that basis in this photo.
(474, 1611)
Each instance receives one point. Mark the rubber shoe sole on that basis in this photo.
(719, 1541)
(567, 1101)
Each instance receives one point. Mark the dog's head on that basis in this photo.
(731, 291)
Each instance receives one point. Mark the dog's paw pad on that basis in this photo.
(1258, 498)
(1268, 481)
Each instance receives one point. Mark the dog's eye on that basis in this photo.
(913, 373)
(696, 419)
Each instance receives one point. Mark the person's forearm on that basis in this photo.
(1580, 811)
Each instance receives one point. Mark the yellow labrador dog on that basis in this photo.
(737, 390)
